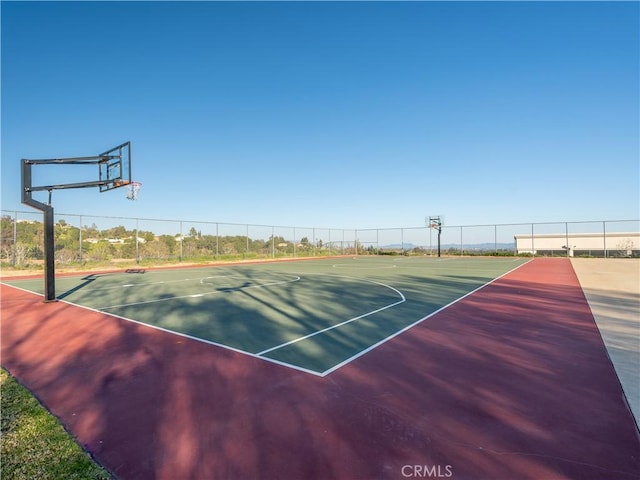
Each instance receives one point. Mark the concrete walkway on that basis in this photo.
(612, 288)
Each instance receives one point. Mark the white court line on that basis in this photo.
(403, 299)
(362, 267)
(272, 360)
(173, 332)
(384, 340)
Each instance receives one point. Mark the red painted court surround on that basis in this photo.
(513, 382)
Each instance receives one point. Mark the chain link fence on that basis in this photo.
(85, 240)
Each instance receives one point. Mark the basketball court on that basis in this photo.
(355, 367)
(314, 316)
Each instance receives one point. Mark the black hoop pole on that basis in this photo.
(49, 247)
(49, 256)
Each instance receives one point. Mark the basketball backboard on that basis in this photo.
(434, 221)
(115, 167)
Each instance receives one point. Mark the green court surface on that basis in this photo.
(312, 315)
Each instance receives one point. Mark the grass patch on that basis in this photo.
(34, 444)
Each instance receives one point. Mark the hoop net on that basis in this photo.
(132, 190)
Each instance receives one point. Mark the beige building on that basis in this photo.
(580, 244)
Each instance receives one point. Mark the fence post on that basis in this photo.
(533, 250)
(14, 252)
(217, 240)
(604, 238)
(137, 251)
(181, 243)
(80, 237)
(273, 242)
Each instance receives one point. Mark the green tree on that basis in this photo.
(154, 250)
(90, 232)
(118, 232)
(100, 251)
(170, 243)
(147, 236)
(6, 235)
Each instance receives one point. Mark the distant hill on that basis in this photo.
(488, 246)
(483, 246)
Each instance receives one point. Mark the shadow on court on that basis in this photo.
(88, 280)
(511, 382)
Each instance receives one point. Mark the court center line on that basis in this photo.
(403, 299)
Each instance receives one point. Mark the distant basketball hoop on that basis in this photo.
(436, 223)
(132, 190)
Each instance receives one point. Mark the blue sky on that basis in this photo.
(331, 114)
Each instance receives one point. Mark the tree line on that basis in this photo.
(23, 242)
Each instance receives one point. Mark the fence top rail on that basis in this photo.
(208, 222)
(575, 222)
(173, 220)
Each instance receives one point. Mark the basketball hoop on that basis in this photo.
(132, 190)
